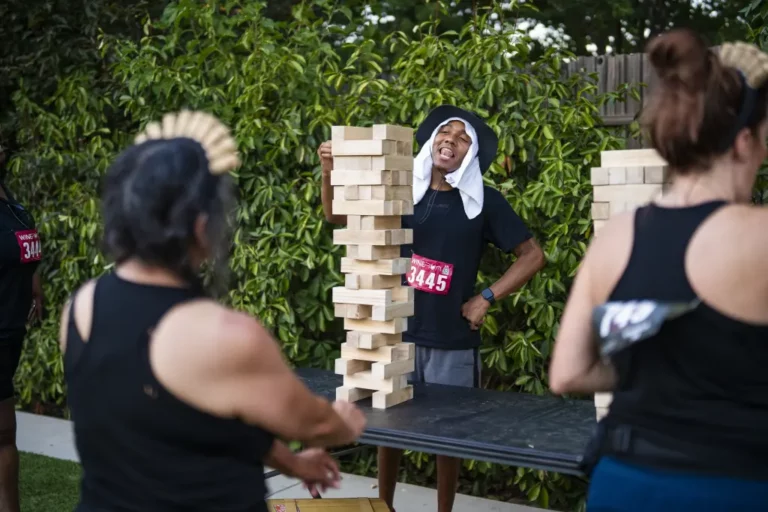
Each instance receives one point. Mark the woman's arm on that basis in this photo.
(576, 365)
(268, 393)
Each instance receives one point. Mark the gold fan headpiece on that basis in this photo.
(216, 139)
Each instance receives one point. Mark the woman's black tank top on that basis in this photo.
(142, 449)
(700, 386)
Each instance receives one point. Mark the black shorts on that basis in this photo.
(10, 354)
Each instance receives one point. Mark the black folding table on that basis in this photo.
(516, 429)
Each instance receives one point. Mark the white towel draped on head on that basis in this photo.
(467, 178)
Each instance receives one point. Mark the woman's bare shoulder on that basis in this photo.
(217, 332)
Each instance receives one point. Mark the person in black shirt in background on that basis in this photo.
(20, 301)
(455, 217)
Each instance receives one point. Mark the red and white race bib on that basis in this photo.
(29, 245)
(430, 276)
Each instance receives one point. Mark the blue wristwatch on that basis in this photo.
(488, 295)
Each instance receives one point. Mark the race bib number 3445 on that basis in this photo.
(430, 276)
(29, 245)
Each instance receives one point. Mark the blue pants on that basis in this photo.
(619, 487)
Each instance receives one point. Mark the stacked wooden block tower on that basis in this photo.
(626, 179)
(372, 186)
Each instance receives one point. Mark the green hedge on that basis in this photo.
(282, 86)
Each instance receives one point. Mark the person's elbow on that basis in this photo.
(533, 255)
(563, 378)
(560, 384)
(538, 258)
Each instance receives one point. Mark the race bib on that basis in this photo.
(29, 245)
(430, 276)
(621, 324)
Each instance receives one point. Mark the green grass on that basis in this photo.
(48, 485)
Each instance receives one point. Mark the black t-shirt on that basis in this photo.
(446, 235)
(19, 258)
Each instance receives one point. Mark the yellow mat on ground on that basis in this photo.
(328, 505)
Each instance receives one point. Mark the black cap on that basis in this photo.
(488, 141)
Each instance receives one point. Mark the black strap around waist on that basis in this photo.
(629, 444)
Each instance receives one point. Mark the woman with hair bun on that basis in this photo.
(176, 400)
(669, 310)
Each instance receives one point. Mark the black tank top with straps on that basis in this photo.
(700, 386)
(142, 449)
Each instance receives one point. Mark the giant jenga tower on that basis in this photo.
(626, 180)
(371, 179)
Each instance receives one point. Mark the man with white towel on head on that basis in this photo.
(455, 217)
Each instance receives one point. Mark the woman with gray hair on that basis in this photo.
(177, 401)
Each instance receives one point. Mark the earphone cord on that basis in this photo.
(431, 201)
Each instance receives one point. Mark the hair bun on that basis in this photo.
(681, 56)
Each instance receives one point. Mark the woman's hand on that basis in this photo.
(317, 470)
(352, 417)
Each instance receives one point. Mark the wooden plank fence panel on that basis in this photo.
(612, 72)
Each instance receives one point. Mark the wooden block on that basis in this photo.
(362, 297)
(352, 282)
(341, 133)
(392, 132)
(392, 311)
(655, 174)
(635, 175)
(601, 211)
(372, 282)
(382, 354)
(370, 341)
(351, 366)
(603, 399)
(631, 158)
(392, 163)
(364, 147)
(346, 394)
(372, 207)
(373, 252)
(618, 193)
(355, 222)
(403, 294)
(390, 267)
(381, 222)
(365, 380)
(598, 176)
(340, 177)
(382, 370)
(384, 400)
(372, 237)
(357, 311)
(385, 192)
(617, 176)
(342, 295)
(351, 163)
(599, 224)
(394, 326)
(347, 192)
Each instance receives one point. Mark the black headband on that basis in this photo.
(746, 109)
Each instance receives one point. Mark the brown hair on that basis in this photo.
(693, 112)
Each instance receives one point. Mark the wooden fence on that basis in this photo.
(614, 71)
